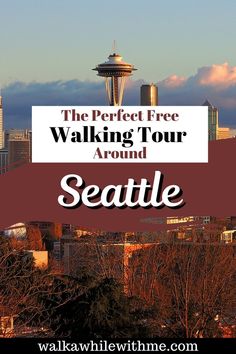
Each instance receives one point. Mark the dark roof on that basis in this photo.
(208, 104)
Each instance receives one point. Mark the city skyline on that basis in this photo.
(49, 49)
(123, 256)
(19, 97)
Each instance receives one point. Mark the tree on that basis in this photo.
(19, 284)
(100, 311)
(191, 287)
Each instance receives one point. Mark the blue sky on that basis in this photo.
(48, 48)
(46, 40)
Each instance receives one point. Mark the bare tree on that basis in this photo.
(191, 286)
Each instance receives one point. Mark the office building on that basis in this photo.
(149, 95)
(18, 143)
(3, 161)
(212, 120)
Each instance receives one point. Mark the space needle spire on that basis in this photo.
(115, 71)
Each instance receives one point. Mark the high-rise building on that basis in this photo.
(3, 161)
(149, 95)
(223, 133)
(1, 125)
(212, 120)
(18, 143)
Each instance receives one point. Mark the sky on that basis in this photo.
(48, 48)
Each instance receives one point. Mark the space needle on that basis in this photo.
(115, 71)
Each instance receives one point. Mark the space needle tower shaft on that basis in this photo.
(115, 71)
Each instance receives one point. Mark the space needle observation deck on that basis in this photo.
(115, 71)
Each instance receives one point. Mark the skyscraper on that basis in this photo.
(1, 125)
(212, 120)
(19, 146)
(3, 161)
(149, 95)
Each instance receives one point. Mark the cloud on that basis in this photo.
(217, 75)
(19, 97)
(216, 83)
(221, 75)
(173, 81)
